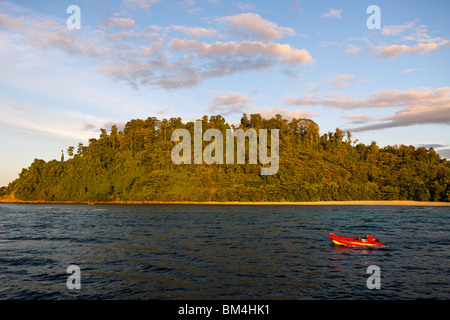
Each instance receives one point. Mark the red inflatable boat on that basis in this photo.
(351, 242)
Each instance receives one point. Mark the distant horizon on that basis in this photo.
(133, 59)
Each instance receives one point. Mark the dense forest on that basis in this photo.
(135, 165)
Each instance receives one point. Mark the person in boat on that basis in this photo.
(368, 238)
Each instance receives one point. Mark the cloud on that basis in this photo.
(406, 71)
(34, 119)
(122, 35)
(119, 124)
(408, 38)
(89, 127)
(233, 102)
(342, 80)
(313, 86)
(181, 73)
(7, 22)
(162, 111)
(289, 115)
(49, 34)
(411, 116)
(43, 70)
(441, 149)
(237, 102)
(419, 34)
(257, 27)
(201, 62)
(139, 4)
(332, 13)
(295, 5)
(245, 6)
(415, 106)
(352, 49)
(439, 97)
(116, 22)
(170, 64)
(231, 98)
(421, 48)
(424, 43)
(283, 52)
(359, 118)
(188, 6)
(431, 145)
(445, 153)
(395, 30)
(196, 31)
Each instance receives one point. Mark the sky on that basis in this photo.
(134, 59)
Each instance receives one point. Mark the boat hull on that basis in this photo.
(351, 242)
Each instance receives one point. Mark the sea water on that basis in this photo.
(221, 251)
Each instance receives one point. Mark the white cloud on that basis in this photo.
(286, 114)
(342, 80)
(424, 43)
(406, 71)
(395, 50)
(384, 98)
(395, 30)
(415, 106)
(34, 118)
(116, 22)
(332, 13)
(125, 55)
(352, 49)
(7, 21)
(232, 102)
(139, 4)
(245, 6)
(239, 103)
(159, 64)
(359, 118)
(257, 27)
(283, 52)
(196, 31)
(122, 35)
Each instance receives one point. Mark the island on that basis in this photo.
(134, 165)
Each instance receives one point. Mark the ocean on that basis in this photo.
(233, 252)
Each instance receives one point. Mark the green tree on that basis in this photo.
(70, 151)
(135, 164)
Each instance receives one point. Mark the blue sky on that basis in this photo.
(187, 58)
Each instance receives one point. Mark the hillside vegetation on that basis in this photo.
(135, 165)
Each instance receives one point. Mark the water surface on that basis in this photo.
(221, 251)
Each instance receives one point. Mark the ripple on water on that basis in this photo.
(221, 252)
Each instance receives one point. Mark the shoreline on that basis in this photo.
(305, 203)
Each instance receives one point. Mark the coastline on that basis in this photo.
(334, 203)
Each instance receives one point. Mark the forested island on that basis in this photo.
(135, 165)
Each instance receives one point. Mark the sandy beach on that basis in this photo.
(334, 203)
